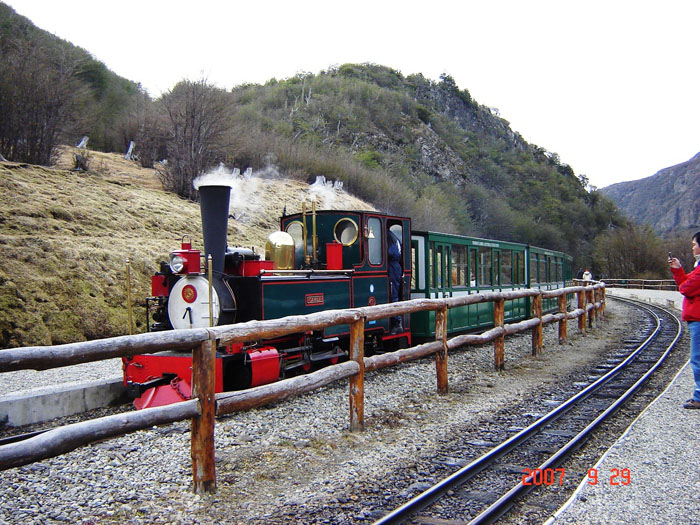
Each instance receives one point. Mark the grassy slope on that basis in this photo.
(65, 236)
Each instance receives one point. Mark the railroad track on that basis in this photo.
(485, 489)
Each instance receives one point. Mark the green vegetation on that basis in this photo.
(634, 252)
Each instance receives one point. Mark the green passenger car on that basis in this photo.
(447, 265)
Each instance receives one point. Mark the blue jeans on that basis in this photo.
(694, 329)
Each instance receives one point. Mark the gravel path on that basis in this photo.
(281, 463)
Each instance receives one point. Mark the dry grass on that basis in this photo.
(65, 237)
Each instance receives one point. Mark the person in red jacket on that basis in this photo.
(689, 286)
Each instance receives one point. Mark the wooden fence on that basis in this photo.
(644, 284)
(205, 404)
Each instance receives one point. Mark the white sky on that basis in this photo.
(612, 86)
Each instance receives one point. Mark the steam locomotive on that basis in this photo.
(320, 260)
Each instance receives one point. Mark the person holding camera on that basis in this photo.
(689, 287)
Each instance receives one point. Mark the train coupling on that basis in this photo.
(135, 390)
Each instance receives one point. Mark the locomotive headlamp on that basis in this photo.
(178, 263)
(185, 261)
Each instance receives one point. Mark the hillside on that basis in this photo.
(419, 148)
(65, 237)
(668, 201)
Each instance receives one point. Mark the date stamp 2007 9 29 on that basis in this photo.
(550, 476)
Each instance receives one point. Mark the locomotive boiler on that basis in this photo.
(319, 260)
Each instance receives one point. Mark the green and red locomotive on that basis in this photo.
(318, 261)
(321, 260)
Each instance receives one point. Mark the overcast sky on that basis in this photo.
(611, 86)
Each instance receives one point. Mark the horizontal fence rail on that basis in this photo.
(205, 404)
(644, 284)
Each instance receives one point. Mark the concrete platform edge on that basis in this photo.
(44, 404)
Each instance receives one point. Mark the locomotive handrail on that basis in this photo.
(204, 404)
(348, 271)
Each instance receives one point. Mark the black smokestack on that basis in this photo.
(214, 203)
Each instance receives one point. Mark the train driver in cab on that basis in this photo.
(395, 274)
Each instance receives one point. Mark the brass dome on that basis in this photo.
(280, 249)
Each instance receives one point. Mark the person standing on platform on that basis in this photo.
(689, 287)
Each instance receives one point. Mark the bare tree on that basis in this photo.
(197, 119)
(39, 92)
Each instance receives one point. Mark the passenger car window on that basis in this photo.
(543, 271)
(485, 267)
(533, 269)
(459, 266)
(521, 268)
(506, 267)
(472, 268)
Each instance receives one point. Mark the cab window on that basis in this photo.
(375, 241)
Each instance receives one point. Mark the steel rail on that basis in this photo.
(461, 476)
(21, 437)
(505, 502)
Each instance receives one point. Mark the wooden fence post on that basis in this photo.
(357, 382)
(582, 305)
(202, 437)
(499, 345)
(537, 330)
(562, 323)
(441, 355)
(596, 299)
(591, 300)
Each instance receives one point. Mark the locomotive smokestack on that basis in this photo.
(214, 204)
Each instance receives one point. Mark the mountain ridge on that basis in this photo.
(669, 200)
